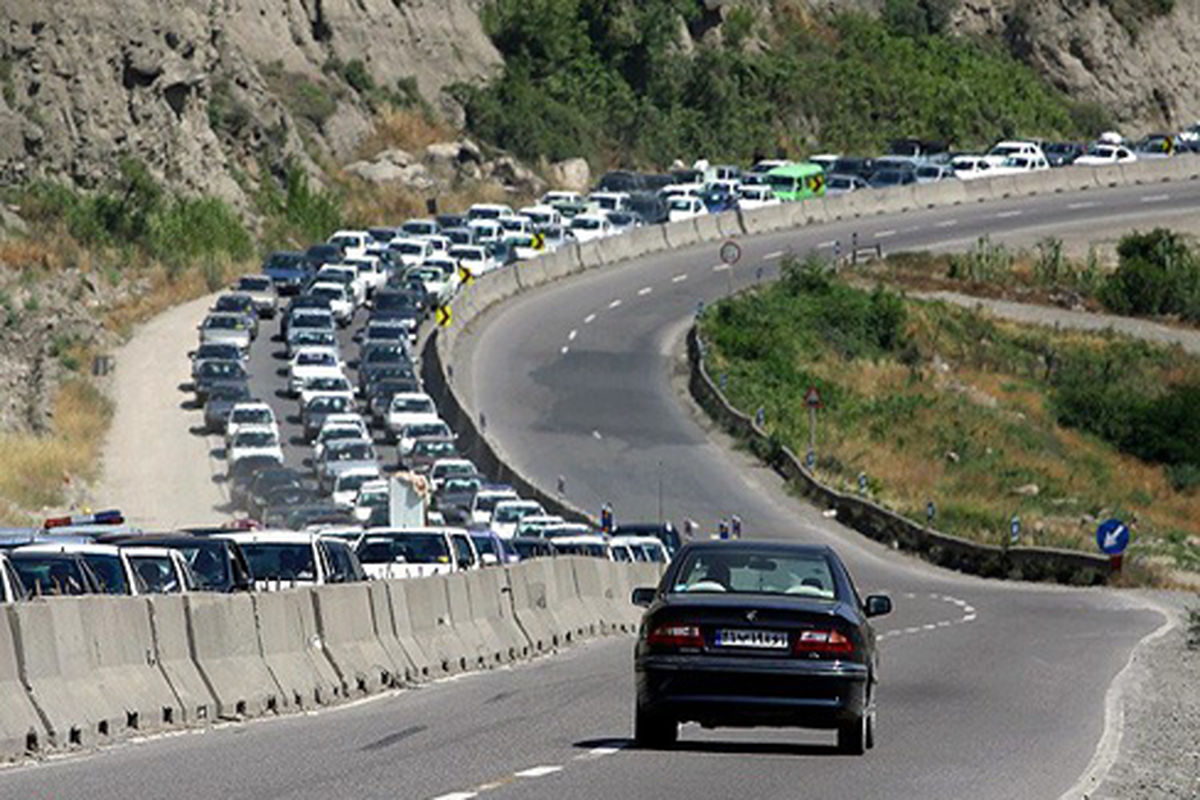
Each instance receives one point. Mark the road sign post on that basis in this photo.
(1112, 537)
(812, 399)
(862, 483)
(930, 512)
(730, 253)
(1014, 533)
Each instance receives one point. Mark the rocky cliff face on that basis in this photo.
(1140, 66)
(204, 90)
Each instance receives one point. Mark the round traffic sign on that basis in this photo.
(730, 252)
(1112, 536)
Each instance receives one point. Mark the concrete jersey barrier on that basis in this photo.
(168, 619)
(291, 649)
(22, 731)
(225, 647)
(346, 622)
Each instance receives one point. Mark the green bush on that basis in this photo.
(134, 211)
(299, 214)
(1157, 273)
(606, 79)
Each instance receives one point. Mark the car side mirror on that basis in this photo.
(643, 596)
(878, 604)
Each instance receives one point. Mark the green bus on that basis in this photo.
(797, 181)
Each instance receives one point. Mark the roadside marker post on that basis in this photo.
(1014, 530)
(812, 399)
(930, 512)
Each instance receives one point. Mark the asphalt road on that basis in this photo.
(989, 690)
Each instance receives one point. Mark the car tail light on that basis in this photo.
(827, 642)
(676, 635)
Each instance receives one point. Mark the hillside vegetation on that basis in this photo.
(985, 418)
(622, 82)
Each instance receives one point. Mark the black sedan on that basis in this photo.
(745, 634)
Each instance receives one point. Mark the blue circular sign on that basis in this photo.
(1112, 536)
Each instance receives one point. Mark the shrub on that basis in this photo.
(1157, 273)
(299, 214)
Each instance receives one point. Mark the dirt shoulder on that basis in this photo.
(155, 468)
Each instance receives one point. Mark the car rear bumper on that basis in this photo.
(738, 691)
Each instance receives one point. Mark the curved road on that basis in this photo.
(990, 690)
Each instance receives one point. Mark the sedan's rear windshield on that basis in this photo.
(756, 573)
(284, 562)
(411, 548)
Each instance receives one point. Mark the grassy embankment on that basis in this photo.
(985, 418)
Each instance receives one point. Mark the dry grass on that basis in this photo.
(406, 129)
(37, 471)
(382, 204)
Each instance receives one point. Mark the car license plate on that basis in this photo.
(754, 640)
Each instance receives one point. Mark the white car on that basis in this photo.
(752, 197)
(542, 215)
(310, 362)
(326, 386)
(1101, 155)
(415, 552)
(517, 223)
(610, 201)
(1021, 165)
(435, 278)
(485, 501)
(371, 495)
(970, 167)
(592, 545)
(558, 197)
(346, 484)
(440, 244)
(409, 407)
(448, 265)
(353, 243)
(370, 271)
(11, 587)
(450, 467)
(507, 515)
(282, 559)
(346, 275)
(589, 227)
(408, 434)
(337, 433)
(522, 246)
(341, 300)
(261, 440)
(644, 548)
(684, 207)
(110, 566)
(418, 228)
(412, 251)
(485, 230)
(681, 190)
(533, 525)
(348, 418)
(248, 414)
(489, 211)
(1008, 149)
(473, 257)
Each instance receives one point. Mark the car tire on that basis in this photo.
(654, 731)
(852, 736)
(870, 737)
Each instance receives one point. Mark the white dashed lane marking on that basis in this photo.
(720, 267)
(1008, 214)
(645, 290)
(1086, 204)
(946, 223)
(589, 319)
(1156, 198)
(614, 304)
(457, 796)
(537, 772)
(571, 336)
(564, 350)
(968, 615)
(596, 435)
(679, 278)
(773, 256)
(829, 243)
(884, 234)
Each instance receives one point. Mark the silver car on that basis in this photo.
(225, 329)
(341, 456)
(261, 289)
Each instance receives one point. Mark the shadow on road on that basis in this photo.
(726, 748)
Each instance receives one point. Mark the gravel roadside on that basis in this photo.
(158, 468)
(1159, 747)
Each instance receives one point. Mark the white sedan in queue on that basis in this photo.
(309, 362)
(589, 227)
(261, 440)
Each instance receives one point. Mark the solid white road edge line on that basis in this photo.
(1109, 746)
